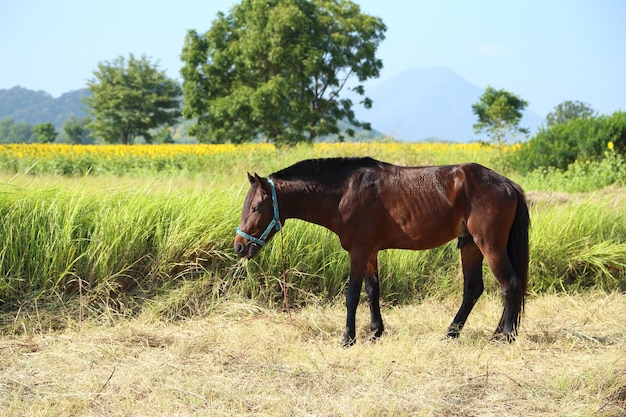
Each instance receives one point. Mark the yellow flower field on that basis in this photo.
(222, 159)
(122, 151)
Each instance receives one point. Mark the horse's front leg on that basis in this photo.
(358, 268)
(352, 301)
(372, 288)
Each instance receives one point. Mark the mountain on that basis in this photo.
(35, 107)
(427, 104)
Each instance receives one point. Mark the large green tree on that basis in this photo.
(274, 69)
(129, 98)
(499, 114)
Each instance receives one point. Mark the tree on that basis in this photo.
(569, 110)
(129, 98)
(499, 114)
(164, 136)
(46, 132)
(275, 69)
(75, 129)
(11, 132)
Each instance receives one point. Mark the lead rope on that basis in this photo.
(284, 273)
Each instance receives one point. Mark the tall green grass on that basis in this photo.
(579, 245)
(110, 245)
(107, 243)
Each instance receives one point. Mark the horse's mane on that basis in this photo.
(324, 170)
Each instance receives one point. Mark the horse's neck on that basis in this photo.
(306, 203)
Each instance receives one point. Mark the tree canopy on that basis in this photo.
(568, 110)
(275, 69)
(130, 98)
(75, 130)
(580, 139)
(12, 132)
(46, 132)
(499, 113)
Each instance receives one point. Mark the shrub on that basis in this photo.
(580, 176)
(583, 139)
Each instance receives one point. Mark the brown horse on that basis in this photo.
(373, 205)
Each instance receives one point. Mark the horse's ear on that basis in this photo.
(251, 178)
(265, 185)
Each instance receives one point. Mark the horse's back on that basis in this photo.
(401, 207)
(423, 207)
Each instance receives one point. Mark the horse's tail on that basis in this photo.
(517, 247)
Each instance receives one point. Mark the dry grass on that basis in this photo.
(614, 194)
(245, 360)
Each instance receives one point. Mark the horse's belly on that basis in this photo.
(418, 243)
(425, 235)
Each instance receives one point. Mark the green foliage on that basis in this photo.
(275, 70)
(499, 113)
(581, 139)
(580, 176)
(46, 132)
(568, 110)
(11, 132)
(76, 130)
(130, 98)
(163, 135)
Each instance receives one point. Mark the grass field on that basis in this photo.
(244, 359)
(120, 295)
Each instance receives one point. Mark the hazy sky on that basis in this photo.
(546, 51)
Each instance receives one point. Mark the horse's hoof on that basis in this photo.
(503, 337)
(347, 341)
(376, 333)
(454, 330)
(452, 334)
(373, 337)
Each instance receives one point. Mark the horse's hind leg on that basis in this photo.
(471, 261)
(372, 288)
(511, 287)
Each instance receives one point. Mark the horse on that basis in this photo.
(373, 205)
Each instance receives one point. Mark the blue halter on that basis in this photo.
(274, 224)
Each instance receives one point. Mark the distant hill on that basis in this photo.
(35, 107)
(426, 104)
(415, 105)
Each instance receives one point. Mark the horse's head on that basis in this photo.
(259, 217)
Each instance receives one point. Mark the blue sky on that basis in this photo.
(546, 51)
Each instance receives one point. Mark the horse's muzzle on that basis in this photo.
(246, 250)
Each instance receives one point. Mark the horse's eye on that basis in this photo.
(256, 208)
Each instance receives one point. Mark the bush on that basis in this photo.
(579, 140)
(580, 176)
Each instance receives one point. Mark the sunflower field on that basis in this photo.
(221, 159)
